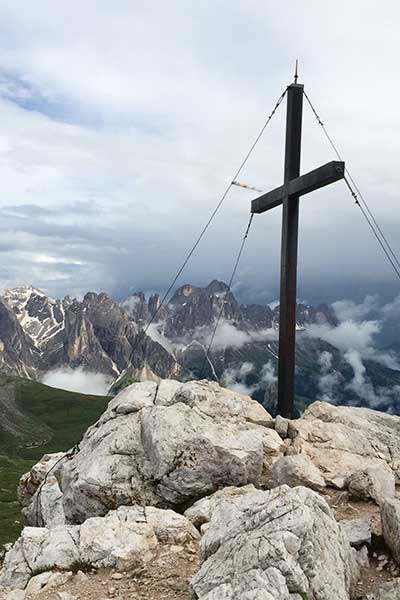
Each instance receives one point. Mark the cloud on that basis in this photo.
(328, 379)
(228, 335)
(355, 336)
(348, 310)
(235, 379)
(385, 398)
(348, 334)
(78, 380)
(392, 309)
(268, 375)
(125, 142)
(131, 303)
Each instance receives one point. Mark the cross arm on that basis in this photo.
(328, 173)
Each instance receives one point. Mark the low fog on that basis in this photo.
(78, 380)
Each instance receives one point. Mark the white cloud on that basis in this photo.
(392, 309)
(348, 334)
(348, 310)
(131, 303)
(246, 368)
(229, 336)
(268, 375)
(386, 397)
(114, 106)
(78, 380)
(234, 379)
(355, 336)
(328, 379)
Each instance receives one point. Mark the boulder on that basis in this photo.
(372, 483)
(45, 581)
(282, 426)
(389, 590)
(279, 544)
(124, 539)
(357, 531)
(30, 482)
(39, 549)
(390, 517)
(200, 513)
(37, 583)
(363, 557)
(165, 445)
(295, 470)
(135, 397)
(46, 506)
(342, 440)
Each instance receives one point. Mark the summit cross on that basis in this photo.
(288, 195)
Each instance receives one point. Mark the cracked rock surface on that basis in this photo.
(124, 539)
(166, 446)
(341, 441)
(170, 464)
(283, 543)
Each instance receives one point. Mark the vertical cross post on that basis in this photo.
(290, 225)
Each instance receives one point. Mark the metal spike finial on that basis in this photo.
(296, 76)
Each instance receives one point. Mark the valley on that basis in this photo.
(36, 419)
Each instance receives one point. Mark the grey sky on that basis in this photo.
(121, 124)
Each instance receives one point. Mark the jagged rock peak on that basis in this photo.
(187, 290)
(23, 290)
(217, 287)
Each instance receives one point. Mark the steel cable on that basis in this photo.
(360, 200)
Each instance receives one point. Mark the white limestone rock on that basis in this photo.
(30, 482)
(39, 548)
(15, 595)
(357, 531)
(272, 545)
(363, 557)
(133, 398)
(166, 392)
(37, 583)
(123, 539)
(66, 596)
(342, 440)
(81, 578)
(296, 470)
(282, 426)
(389, 590)
(170, 527)
(46, 581)
(390, 517)
(197, 438)
(129, 536)
(372, 483)
(46, 505)
(199, 514)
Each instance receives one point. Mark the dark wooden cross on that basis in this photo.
(288, 195)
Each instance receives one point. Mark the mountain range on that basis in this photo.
(39, 334)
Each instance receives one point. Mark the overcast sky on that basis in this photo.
(122, 122)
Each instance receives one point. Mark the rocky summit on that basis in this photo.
(192, 491)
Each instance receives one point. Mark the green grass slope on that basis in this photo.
(35, 419)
